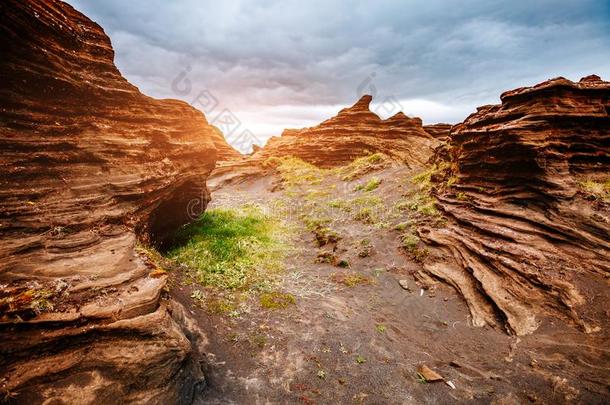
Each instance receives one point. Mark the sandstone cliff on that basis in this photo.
(224, 151)
(89, 165)
(525, 189)
(438, 130)
(354, 132)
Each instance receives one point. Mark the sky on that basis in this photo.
(257, 67)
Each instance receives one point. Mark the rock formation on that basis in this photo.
(90, 165)
(354, 132)
(224, 151)
(438, 130)
(528, 232)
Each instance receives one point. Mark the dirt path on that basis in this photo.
(356, 336)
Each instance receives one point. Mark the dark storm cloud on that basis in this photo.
(291, 63)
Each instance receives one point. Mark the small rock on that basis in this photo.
(404, 284)
(429, 374)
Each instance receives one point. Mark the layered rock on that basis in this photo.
(354, 132)
(526, 236)
(438, 130)
(89, 165)
(224, 151)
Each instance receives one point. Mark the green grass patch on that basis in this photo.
(369, 186)
(366, 215)
(342, 204)
(370, 201)
(361, 166)
(235, 248)
(315, 195)
(221, 305)
(409, 241)
(276, 300)
(295, 171)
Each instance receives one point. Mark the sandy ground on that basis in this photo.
(364, 344)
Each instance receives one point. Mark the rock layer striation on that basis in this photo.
(354, 132)
(89, 166)
(524, 186)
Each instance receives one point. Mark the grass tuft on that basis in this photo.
(234, 248)
(369, 186)
(598, 189)
(295, 171)
(361, 166)
(276, 300)
(350, 279)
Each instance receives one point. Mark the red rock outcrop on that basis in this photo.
(438, 130)
(354, 132)
(89, 165)
(224, 151)
(528, 232)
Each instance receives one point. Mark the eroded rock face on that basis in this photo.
(438, 130)
(354, 132)
(89, 165)
(224, 151)
(525, 236)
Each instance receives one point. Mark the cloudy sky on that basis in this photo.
(278, 64)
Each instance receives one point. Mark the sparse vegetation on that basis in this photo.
(326, 257)
(402, 226)
(343, 263)
(276, 300)
(599, 189)
(295, 171)
(452, 180)
(409, 241)
(232, 248)
(314, 195)
(369, 186)
(365, 248)
(350, 279)
(325, 235)
(362, 166)
(160, 262)
(367, 201)
(221, 305)
(258, 340)
(420, 201)
(37, 300)
(313, 222)
(198, 295)
(365, 215)
(341, 204)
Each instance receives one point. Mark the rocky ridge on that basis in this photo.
(224, 151)
(354, 132)
(438, 130)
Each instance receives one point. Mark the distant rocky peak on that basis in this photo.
(363, 104)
